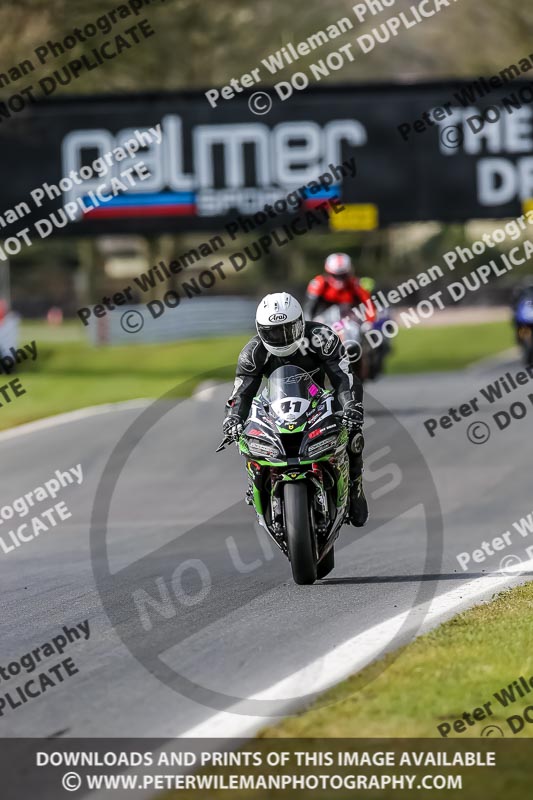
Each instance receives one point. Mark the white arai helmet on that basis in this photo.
(280, 323)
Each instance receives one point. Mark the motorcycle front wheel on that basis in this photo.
(326, 565)
(298, 531)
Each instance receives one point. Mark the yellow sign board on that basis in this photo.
(355, 217)
(527, 205)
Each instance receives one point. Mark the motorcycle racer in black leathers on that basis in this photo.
(283, 337)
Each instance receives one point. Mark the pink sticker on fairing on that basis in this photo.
(313, 390)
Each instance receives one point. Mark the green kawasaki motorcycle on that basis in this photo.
(295, 449)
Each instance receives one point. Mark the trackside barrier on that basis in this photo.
(205, 317)
(9, 330)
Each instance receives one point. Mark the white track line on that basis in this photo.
(205, 392)
(70, 416)
(351, 656)
(340, 663)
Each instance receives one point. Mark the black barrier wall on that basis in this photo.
(448, 151)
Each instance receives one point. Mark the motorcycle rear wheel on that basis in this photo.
(298, 530)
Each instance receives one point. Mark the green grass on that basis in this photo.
(70, 374)
(399, 701)
(448, 348)
(455, 668)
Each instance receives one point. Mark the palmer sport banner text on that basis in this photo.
(449, 151)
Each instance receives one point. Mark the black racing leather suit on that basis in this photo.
(319, 355)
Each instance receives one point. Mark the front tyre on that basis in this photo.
(298, 531)
(326, 565)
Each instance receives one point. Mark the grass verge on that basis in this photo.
(458, 667)
(435, 349)
(70, 374)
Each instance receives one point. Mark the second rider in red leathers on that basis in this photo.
(337, 287)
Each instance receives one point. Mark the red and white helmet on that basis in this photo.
(339, 265)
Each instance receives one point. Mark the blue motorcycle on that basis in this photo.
(523, 318)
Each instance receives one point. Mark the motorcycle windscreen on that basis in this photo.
(290, 391)
(342, 320)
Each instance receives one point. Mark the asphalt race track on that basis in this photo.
(230, 622)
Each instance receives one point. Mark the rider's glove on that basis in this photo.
(233, 427)
(353, 416)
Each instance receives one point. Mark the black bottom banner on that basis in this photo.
(489, 768)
